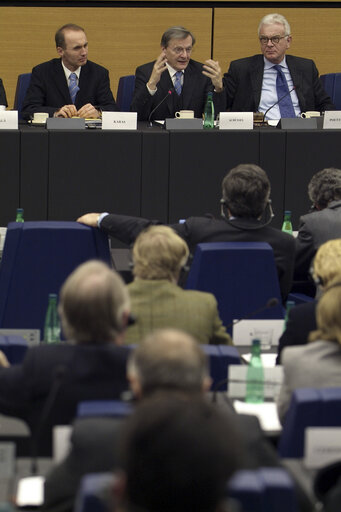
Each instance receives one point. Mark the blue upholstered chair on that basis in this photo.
(112, 408)
(241, 275)
(220, 357)
(22, 85)
(263, 490)
(332, 85)
(125, 92)
(309, 407)
(14, 348)
(95, 493)
(37, 258)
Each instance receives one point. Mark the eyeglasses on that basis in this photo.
(179, 50)
(275, 40)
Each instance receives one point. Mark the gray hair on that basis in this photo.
(325, 187)
(175, 33)
(169, 359)
(269, 19)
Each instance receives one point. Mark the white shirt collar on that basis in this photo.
(68, 72)
(172, 71)
(269, 65)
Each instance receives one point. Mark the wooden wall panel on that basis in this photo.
(119, 38)
(316, 34)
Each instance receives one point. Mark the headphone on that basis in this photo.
(223, 205)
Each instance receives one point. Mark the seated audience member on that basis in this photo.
(177, 455)
(317, 364)
(165, 361)
(3, 99)
(188, 81)
(72, 85)
(257, 83)
(157, 301)
(94, 309)
(322, 224)
(302, 318)
(246, 198)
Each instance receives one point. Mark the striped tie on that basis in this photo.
(73, 87)
(177, 83)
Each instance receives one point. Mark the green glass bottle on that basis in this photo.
(209, 112)
(255, 376)
(287, 226)
(52, 322)
(20, 215)
(289, 304)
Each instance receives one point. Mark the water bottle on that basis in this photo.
(289, 304)
(287, 226)
(52, 322)
(20, 215)
(209, 112)
(255, 376)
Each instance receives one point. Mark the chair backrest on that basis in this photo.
(95, 493)
(264, 490)
(309, 407)
(37, 258)
(332, 85)
(112, 408)
(22, 85)
(241, 275)
(14, 348)
(125, 92)
(220, 357)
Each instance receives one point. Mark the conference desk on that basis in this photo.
(151, 172)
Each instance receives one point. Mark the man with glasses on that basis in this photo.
(176, 82)
(274, 83)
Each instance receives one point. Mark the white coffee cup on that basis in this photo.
(185, 114)
(40, 117)
(309, 114)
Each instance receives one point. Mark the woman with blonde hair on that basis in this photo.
(317, 364)
(302, 319)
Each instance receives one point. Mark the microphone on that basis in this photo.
(271, 303)
(280, 99)
(169, 93)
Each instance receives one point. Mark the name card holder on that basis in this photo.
(332, 120)
(236, 121)
(8, 120)
(267, 331)
(183, 124)
(61, 123)
(322, 446)
(297, 123)
(119, 120)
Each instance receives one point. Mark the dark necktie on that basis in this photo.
(177, 83)
(73, 86)
(286, 107)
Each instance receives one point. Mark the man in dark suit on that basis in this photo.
(45, 389)
(72, 85)
(322, 224)
(182, 82)
(246, 197)
(251, 83)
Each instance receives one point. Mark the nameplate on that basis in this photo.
(236, 121)
(184, 124)
(119, 120)
(237, 373)
(322, 446)
(332, 120)
(8, 119)
(62, 123)
(297, 123)
(267, 331)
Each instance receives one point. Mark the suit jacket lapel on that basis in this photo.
(297, 80)
(60, 81)
(256, 76)
(188, 86)
(164, 86)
